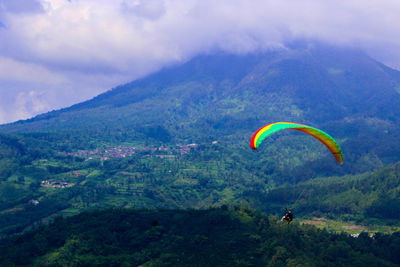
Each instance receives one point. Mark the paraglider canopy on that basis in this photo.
(323, 137)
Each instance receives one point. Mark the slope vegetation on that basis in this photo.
(215, 237)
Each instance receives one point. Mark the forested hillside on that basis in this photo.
(367, 197)
(179, 138)
(227, 97)
(214, 237)
(203, 176)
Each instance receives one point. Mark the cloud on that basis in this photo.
(23, 106)
(150, 9)
(21, 6)
(12, 70)
(87, 46)
(125, 36)
(30, 103)
(3, 116)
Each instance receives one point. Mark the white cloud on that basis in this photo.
(23, 106)
(151, 9)
(83, 47)
(12, 70)
(21, 109)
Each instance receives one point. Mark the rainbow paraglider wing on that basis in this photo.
(323, 137)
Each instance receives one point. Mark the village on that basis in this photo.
(125, 151)
(55, 184)
(117, 152)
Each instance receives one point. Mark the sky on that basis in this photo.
(55, 53)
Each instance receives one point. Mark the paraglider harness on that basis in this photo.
(288, 217)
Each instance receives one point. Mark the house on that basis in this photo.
(34, 202)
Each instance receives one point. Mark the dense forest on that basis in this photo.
(213, 237)
(367, 197)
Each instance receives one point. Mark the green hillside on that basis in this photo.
(179, 138)
(227, 97)
(208, 175)
(365, 198)
(213, 237)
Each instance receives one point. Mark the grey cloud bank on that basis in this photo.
(54, 53)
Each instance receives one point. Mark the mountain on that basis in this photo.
(212, 237)
(323, 83)
(179, 138)
(227, 97)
